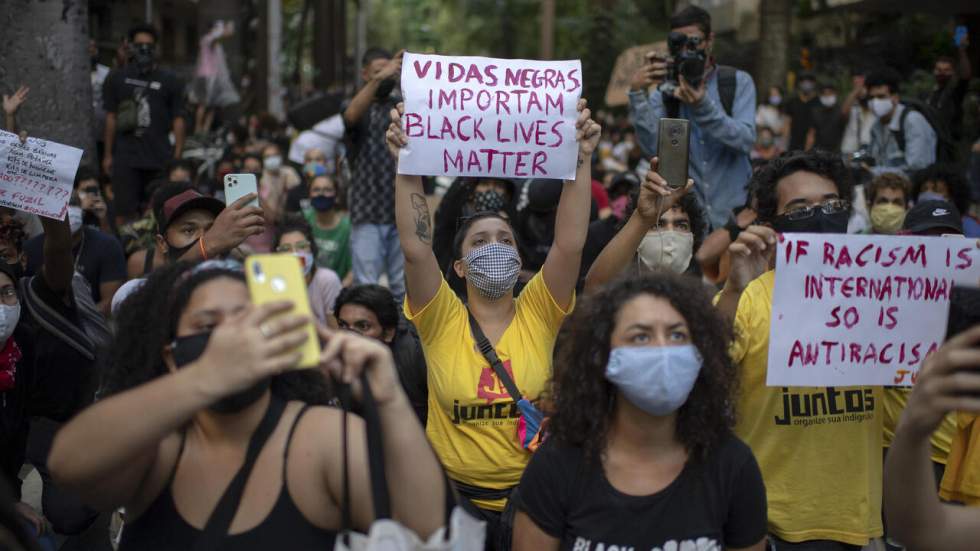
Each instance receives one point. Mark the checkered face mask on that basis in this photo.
(493, 269)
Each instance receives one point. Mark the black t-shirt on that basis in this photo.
(98, 257)
(720, 499)
(802, 114)
(828, 125)
(151, 102)
(948, 101)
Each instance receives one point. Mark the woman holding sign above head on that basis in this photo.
(479, 428)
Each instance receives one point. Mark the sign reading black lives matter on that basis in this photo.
(478, 116)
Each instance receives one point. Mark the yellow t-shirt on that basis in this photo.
(472, 421)
(894, 402)
(819, 448)
(961, 482)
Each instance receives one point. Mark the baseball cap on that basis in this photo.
(931, 215)
(183, 201)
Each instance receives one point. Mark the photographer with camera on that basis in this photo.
(717, 99)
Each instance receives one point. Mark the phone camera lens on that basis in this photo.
(674, 142)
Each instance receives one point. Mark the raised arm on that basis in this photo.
(238, 354)
(561, 267)
(422, 275)
(654, 200)
(948, 381)
(857, 89)
(59, 263)
(11, 104)
(646, 110)
(363, 98)
(752, 254)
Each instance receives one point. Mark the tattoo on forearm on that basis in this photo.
(581, 161)
(423, 222)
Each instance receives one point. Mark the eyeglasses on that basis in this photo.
(298, 246)
(833, 206)
(8, 295)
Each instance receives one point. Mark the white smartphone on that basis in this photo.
(240, 185)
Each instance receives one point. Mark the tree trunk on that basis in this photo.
(45, 46)
(772, 58)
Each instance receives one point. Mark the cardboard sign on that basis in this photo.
(477, 116)
(37, 177)
(862, 309)
(628, 62)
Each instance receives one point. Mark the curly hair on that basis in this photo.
(689, 204)
(888, 180)
(147, 322)
(12, 232)
(585, 401)
(959, 192)
(821, 163)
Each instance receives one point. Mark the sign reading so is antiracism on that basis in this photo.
(37, 176)
(862, 309)
(477, 116)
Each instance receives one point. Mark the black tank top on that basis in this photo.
(162, 528)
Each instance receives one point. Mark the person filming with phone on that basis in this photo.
(717, 99)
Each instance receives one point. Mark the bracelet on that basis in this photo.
(204, 250)
(733, 230)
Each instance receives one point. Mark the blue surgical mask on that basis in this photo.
(931, 196)
(656, 379)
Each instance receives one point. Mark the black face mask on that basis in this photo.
(144, 58)
(820, 222)
(174, 253)
(384, 89)
(190, 348)
(488, 201)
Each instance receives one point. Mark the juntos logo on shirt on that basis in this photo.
(489, 387)
(826, 406)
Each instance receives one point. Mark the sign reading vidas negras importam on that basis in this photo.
(478, 116)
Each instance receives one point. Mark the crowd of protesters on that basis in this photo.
(580, 364)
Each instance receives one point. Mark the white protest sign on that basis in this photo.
(37, 177)
(477, 116)
(862, 309)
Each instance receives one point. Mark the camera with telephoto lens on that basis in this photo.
(686, 60)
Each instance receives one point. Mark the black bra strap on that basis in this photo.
(289, 440)
(217, 526)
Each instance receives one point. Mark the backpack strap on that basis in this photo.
(483, 343)
(727, 84)
(900, 135)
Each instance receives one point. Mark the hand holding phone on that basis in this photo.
(279, 277)
(960, 36)
(240, 185)
(672, 150)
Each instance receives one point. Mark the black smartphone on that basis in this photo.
(672, 148)
(964, 310)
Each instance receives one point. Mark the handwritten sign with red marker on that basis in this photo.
(477, 116)
(37, 176)
(862, 309)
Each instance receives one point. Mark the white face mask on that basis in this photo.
(828, 101)
(9, 316)
(75, 218)
(666, 250)
(306, 259)
(881, 107)
(272, 162)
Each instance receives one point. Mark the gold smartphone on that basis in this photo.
(275, 277)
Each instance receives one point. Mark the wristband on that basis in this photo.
(733, 230)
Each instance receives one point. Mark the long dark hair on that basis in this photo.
(585, 400)
(147, 321)
(450, 214)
